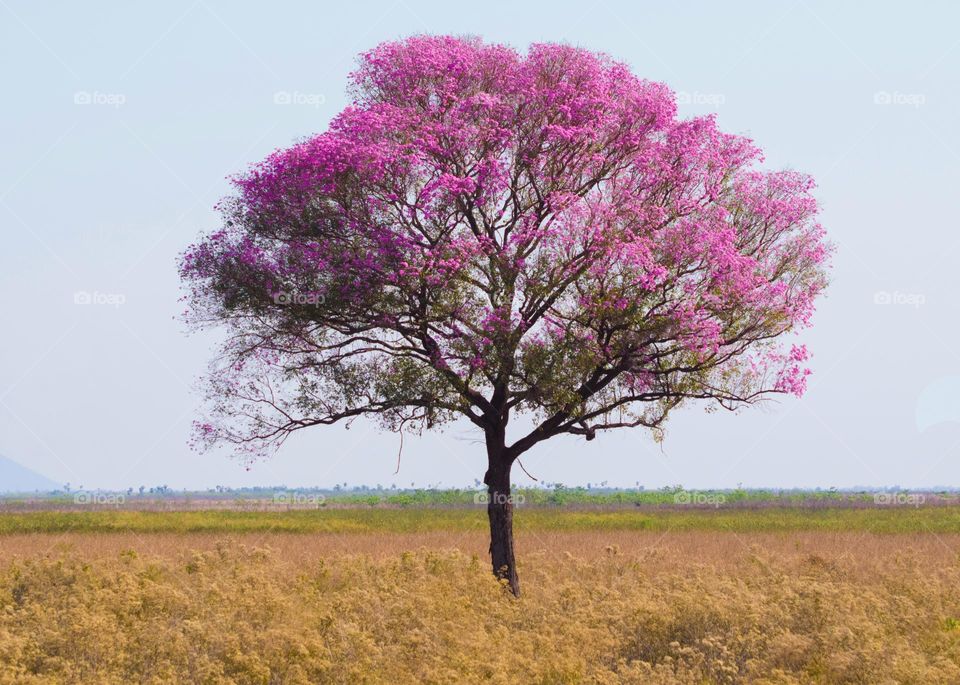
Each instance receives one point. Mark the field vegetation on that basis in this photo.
(395, 595)
(384, 520)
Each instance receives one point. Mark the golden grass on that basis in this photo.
(598, 607)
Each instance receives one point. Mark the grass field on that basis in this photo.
(903, 519)
(396, 595)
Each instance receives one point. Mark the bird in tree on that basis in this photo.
(485, 233)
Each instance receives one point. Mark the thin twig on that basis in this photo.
(527, 472)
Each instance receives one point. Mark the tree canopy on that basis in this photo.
(485, 232)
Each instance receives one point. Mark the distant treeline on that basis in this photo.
(554, 494)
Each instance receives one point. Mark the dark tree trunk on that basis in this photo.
(500, 513)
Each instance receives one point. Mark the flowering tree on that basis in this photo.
(484, 233)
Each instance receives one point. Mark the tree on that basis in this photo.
(484, 233)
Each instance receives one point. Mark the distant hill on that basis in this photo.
(17, 478)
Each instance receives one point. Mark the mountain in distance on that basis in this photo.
(17, 478)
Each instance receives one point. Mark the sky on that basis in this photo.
(121, 122)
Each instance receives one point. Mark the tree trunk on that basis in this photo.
(500, 513)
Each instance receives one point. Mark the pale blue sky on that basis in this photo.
(120, 122)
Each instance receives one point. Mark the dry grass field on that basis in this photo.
(748, 604)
